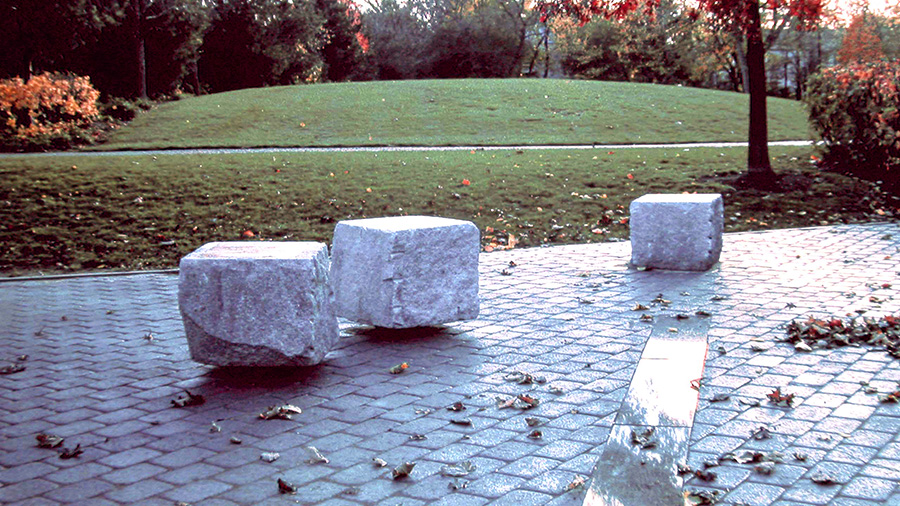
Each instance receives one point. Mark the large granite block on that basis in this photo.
(676, 231)
(405, 271)
(257, 303)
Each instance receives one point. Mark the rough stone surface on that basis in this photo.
(676, 232)
(406, 271)
(257, 304)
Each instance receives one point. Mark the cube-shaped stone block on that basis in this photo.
(676, 231)
(257, 303)
(405, 271)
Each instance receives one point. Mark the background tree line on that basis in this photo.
(140, 48)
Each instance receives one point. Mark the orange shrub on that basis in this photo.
(47, 105)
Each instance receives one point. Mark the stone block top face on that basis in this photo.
(281, 250)
(399, 223)
(678, 198)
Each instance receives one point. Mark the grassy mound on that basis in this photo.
(455, 112)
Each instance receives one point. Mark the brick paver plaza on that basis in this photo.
(107, 355)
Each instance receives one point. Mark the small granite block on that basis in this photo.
(406, 271)
(257, 303)
(680, 232)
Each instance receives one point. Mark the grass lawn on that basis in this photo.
(455, 112)
(139, 212)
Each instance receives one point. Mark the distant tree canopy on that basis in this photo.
(150, 48)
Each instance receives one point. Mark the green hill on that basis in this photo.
(455, 112)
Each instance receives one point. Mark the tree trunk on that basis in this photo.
(547, 53)
(139, 49)
(759, 169)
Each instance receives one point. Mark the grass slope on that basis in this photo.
(455, 112)
(117, 212)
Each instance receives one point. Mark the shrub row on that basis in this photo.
(856, 110)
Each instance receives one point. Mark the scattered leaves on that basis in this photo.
(403, 470)
(48, 440)
(576, 483)
(781, 399)
(72, 453)
(286, 488)
(12, 369)
(184, 401)
(701, 497)
(705, 475)
(284, 412)
(458, 470)
(643, 438)
(315, 456)
(835, 332)
(720, 398)
(823, 478)
(399, 368)
(760, 433)
(891, 397)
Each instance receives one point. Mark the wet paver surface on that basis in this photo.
(107, 355)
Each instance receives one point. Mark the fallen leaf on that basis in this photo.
(379, 462)
(532, 421)
(719, 398)
(681, 316)
(48, 440)
(701, 497)
(639, 307)
(235, 440)
(696, 383)
(766, 468)
(399, 368)
(646, 317)
(536, 434)
(269, 456)
(403, 470)
(683, 469)
(643, 438)
(705, 475)
(576, 483)
(214, 427)
(418, 437)
(189, 400)
(461, 421)
(760, 433)
(701, 312)
(458, 470)
(457, 484)
(457, 406)
(781, 399)
(285, 487)
(315, 456)
(12, 369)
(556, 390)
(823, 478)
(73, 453)
(284, 412)
(528, 401)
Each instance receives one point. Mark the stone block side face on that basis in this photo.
(259, 312)
(394, 277)
(361, 273)
(677, 232)
(435, 275)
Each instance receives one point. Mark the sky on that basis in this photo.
(846, 7)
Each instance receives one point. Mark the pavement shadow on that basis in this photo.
(263, 377)
(416, 334)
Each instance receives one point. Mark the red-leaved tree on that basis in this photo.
(738, 16)
(861, 43)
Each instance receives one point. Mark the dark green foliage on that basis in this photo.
(856, 110)
(478, 45)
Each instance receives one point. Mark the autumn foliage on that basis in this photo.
(856, 110)
(861, 42)
(47, 106)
